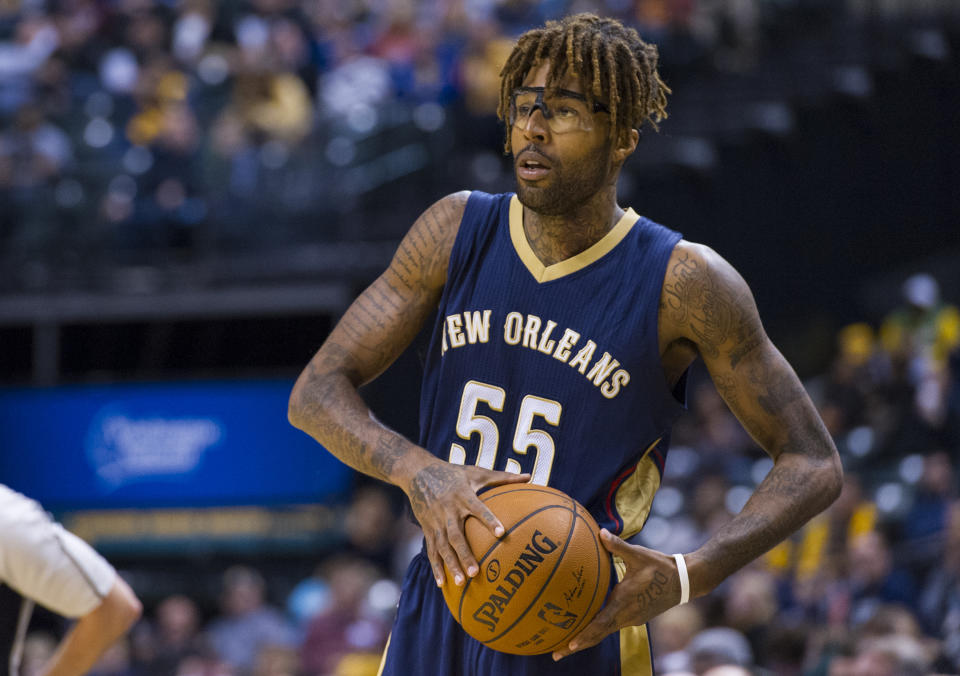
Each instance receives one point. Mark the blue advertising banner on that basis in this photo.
(161, 445)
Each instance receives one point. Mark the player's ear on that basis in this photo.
(626, 144)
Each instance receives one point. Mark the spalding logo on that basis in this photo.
(529, 560)
(493, 570)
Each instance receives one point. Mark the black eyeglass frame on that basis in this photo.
(538, 103)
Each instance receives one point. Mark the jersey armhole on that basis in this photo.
(480, 205)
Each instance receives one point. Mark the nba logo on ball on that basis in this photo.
(542, 582)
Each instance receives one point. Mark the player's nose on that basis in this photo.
(536, 126)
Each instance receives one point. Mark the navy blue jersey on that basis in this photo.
(554, 370)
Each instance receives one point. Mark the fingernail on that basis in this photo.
(498, 531)
(439, 582)
(471, 571)
(458, 580)
(556, 657)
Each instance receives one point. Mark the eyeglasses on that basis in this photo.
(567, 111)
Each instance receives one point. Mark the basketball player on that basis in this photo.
(43, 563)
(565, 327)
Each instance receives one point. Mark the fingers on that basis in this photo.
(478, 509)
(436, 563)
(441, 554)
(449, 557)
(495, 478)
(600, 626)
(443, 523)
(489, 519)
(614, 544)
(465, 559)
(447, 546)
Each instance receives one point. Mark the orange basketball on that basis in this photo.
(540, 583)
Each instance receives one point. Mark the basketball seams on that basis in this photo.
(525, 624)
(526, 488)
(497, 543)
(596, 582)
(546, 583)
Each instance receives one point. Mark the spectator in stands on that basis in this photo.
(115, 661)
(671, 635)
(719, 646)
(173, 191)
(940, 598)
(723, 444)
(709, 508)
(247, 624)
(35, 38)
(813, 563)
(750, 606)
(853, 376)
(34, 155)
(346, 626)
(727, 670)
(175, 635)
(892, 655)
(370, 527)
(873, 580)
(38, 648)
(926, 520)
(277, 661)
(921, 334)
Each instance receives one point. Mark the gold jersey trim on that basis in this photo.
(635, 657)
(383, 659)
(545, 273)
(634, 497)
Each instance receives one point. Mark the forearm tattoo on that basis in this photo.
(376, 328)
(650, 594)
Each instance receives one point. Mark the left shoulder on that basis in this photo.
(691, 259)
(706, 301)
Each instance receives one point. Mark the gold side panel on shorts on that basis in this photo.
(635, 657)
(635, 495)
(546, 273)
(383, 660)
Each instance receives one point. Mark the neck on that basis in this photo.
(555, 238)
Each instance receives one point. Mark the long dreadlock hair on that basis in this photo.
(616, 66)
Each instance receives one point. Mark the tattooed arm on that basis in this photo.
(376, 328)
(708, 310)
(708, 304)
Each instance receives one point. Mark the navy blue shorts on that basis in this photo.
(427, 641)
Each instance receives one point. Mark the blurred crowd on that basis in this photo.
(136, 125)
(871, 587)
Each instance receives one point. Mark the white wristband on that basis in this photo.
(684, 578)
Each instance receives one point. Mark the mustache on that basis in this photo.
(532, 147)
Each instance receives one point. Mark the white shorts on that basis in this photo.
(42, 561)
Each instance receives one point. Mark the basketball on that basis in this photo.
(540, 583)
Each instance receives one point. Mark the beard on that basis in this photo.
(570, 185)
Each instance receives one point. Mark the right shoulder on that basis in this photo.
(443, 216)
(426, 247)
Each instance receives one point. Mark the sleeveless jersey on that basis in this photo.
(554, 370)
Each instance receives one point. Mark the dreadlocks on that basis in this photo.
(617, 67)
